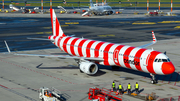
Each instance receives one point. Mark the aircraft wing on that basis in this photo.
(149, 44)
(58, 56)
(62, 56)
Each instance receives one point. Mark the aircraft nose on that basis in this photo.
(168, 68)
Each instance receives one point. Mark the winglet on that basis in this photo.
(7, 46)
(154, 38)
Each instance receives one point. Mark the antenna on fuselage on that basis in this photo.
(165, 52)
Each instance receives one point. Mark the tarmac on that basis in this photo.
(21, 76)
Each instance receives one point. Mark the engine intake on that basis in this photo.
(88, 67)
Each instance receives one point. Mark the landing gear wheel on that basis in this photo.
(153, 81)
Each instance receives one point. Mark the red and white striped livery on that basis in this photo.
(89, 52)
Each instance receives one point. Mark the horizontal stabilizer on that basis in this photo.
(39, 39)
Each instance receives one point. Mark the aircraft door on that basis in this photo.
(146, 59)
(115, 56)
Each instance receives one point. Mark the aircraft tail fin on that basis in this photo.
(91, 3)
(56, 28)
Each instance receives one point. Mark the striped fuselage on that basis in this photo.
(113, 54)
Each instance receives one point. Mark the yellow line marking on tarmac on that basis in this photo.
(143, 23)
(169, 22)
(71, 22)
(48, 32)
(40, 32)
(177, 27)
(64, 25)
(124, 22)
(111, 35)
(47, 27)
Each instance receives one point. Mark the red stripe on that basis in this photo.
(58, 43)
(57, 27)
(106, 50)
(72, 46)
(116, 54)
(151, 59)
(64, 44)
(80, 47)
(96, 54)
(88, 48)
(126, 56)
(137, 61)
(51, 11)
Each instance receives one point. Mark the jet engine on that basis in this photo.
(88, 67)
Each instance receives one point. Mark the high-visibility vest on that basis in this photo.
(129, 86)
(113, 85)
(120, 86)
(137, 86)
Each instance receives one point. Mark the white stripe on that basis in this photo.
(84, 46)
(110, 55)
(61, 42)
(132, 55)
(143, 61)
(101, 51)
(93, 46)
(157, 65)
(68, 45)
(121, 59)
(56, 41)
(76, 46)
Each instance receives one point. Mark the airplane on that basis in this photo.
(88, 53)
(11, 6)
(99, 9)
(22, 9)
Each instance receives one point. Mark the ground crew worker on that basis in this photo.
(120, 88)
(129, 88)
(137, 87)
(114, 86)
(46, 94)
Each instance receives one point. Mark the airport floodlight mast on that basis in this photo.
(159, 4)
(3, 4)
(50, 4)
(42, 6)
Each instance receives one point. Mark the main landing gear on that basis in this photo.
(153, 80)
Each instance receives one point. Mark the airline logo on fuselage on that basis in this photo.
(131, 62)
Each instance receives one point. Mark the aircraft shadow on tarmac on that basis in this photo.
(99, 73)
(175, 77)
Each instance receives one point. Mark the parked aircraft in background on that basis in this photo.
(11, 6)
(89, 52)
(99, 9)
(22, 9)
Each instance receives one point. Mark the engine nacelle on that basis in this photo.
(88, 67)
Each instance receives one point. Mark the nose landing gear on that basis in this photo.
(153, 80)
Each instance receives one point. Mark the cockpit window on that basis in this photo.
(159, 60)
(156, 60)
(162, 60)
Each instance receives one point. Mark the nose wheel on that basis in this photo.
(153, 80)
